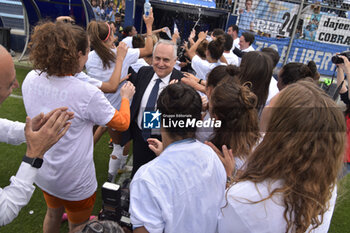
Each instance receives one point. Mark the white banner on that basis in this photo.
(334, 30)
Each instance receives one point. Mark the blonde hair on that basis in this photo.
(303, 147)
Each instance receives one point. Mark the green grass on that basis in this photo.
(11, 156)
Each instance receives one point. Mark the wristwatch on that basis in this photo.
(35, 162)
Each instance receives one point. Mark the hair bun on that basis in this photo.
(247, 97)
(232, 70)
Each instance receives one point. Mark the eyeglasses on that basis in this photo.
(95, 227)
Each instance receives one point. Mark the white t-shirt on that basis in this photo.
(231, 58)
(128, 41)
(94, 68)
(203, 67)
(236, 43)
(68, 171)
(240, 215)
(86, 78)
(273, 90)
(138, 64)
(182, 190)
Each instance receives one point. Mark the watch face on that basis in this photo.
(37, 163)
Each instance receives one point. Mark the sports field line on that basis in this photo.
(16, 96)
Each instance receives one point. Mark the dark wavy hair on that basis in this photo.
(181, 99)
(234, 105)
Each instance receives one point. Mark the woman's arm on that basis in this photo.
(112, 84)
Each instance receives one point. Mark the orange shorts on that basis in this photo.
(77, 211)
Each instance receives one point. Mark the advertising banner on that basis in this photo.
(333, 30)
(303, 51)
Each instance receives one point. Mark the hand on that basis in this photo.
(173, 81)
(165, 29)
(193, 34)
(204, 103)
(149, 19)
(241, 11)
(125, 78)
(155, 145)
(191, 83)
(176, 36)
(41, 119)
(345, 66)
(191, 77)
(202, 35)
(127, 91)
(122, 50)
(38, 142)
(226, 158)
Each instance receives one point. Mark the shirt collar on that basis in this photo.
(164, 80)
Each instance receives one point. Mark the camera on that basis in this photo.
(337, 60)
(115, 204)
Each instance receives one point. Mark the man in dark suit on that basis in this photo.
(149, 82)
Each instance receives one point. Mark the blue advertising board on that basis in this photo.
(303, 51)
(202, 3)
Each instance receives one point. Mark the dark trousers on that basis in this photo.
(142, 153)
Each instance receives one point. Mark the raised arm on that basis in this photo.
(112, 84)
(148, 49)
(192, 51)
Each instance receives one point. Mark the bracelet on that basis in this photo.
(200, 81)
(149, 35)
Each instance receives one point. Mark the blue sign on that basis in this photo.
(151, 120)
(303, 51)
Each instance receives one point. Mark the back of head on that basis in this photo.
(54, 48)
(99, 33)
(218, 32)
(234, 28)
(273, 55)
(303, 147)
(202, 47)
(248, 37)
(105, 226)
(180, 99)
(292, 72)
(235, 106)
(313, 68)
(216, 47)
(222, 73)
(256, 68)
(228, 42)
(138, 41)
(127, 30)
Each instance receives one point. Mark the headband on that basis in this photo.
(109, 32)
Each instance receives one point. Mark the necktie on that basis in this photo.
(151, 103)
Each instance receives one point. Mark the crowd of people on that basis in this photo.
(271, 164)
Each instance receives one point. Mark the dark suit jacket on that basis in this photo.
(141, 81)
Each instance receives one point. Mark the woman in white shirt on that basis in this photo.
(234, 105)
(67, 177)
(213, 54)
(289, 183)
(183, 188)
(100, 65)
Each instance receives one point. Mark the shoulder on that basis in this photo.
(146, 69)
(177, 74)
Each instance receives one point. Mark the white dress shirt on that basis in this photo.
(164, 82)
(19, 192)
(182, 190)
